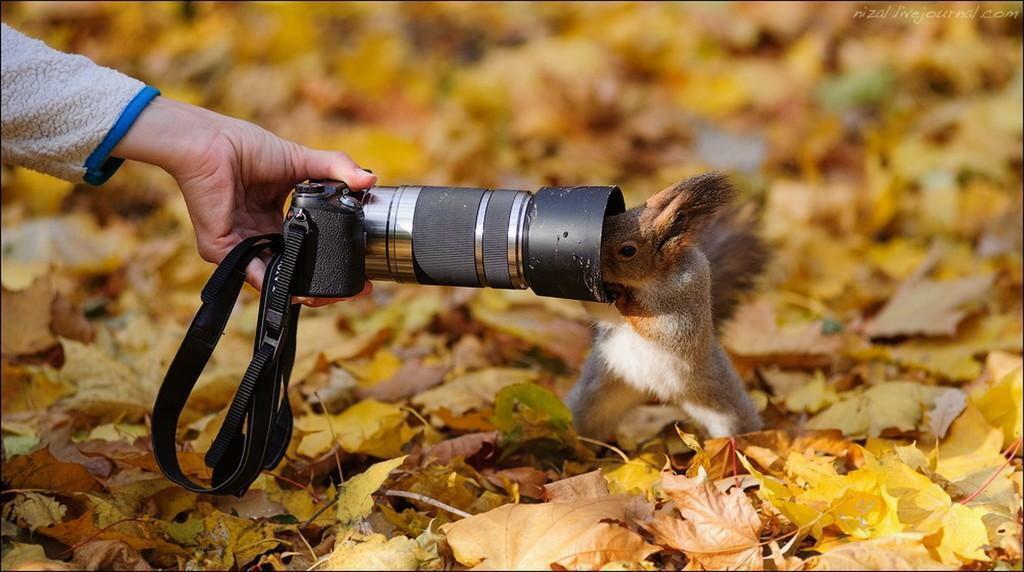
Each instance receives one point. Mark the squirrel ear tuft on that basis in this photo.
(676, 215)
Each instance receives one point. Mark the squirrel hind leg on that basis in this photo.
(599, 400)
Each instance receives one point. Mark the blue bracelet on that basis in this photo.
(100, 166)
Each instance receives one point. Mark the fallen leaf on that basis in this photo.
(27, 315)
(897, 552)
(33, 510)
(109, 555)
(526, 481)
(927, 307)
(378, 552)
(584, 534)
(355, 496)
(867, 412)
(1001, 401)
(970, 457)
(104, 387)
(754, 333)
(645, 422)
(472, 390)
(463, 446)
(717, 531)
(74, 242)
(590, 485)
(948, 406)
(368, 427)
(638, 476)
(566, 339)
(21, 556)
(412, 378)
(41, 470)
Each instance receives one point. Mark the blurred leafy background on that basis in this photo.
(884, 153)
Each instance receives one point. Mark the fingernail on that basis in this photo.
(366, 170)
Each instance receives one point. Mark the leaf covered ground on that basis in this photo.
(883, 347)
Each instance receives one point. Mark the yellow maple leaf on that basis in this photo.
(356, 494)
(636, 476)
(368, 427)
(1001, 404)
(867, 412)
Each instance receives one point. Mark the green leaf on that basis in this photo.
(524, 406)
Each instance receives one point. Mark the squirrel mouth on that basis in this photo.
(614, 291)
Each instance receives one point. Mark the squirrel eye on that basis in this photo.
(627, 251)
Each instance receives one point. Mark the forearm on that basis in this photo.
(61, 111)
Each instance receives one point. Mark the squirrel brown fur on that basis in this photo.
(677, 263)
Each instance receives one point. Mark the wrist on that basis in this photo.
(171, 135)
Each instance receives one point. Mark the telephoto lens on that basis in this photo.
(548, 241)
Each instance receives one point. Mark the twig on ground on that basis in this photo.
(427, 500)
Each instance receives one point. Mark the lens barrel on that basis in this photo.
(499, 238)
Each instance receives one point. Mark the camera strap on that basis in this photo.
(258, 425)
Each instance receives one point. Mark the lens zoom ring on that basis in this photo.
(496, 222)
(443, 235)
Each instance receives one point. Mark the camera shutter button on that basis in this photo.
(310, 188)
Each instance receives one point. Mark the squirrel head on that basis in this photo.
(645, 244)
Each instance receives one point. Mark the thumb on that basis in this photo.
(338, 166)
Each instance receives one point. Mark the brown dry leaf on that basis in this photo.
(27, 315)
(526, 481)
(105, 387)
(754, 333)
(896, 552)
(928, 307)
(138, 535)
(109, 555)
(21, 556)
(566, 339)
(463, 446)
(717, 531)
(74, 242)
(948, 406)
(471, 390)
(41, 470)
(33, 510)
(645, 422)
(31, 389)
(590, 485)
(411, 379)
(584, 534)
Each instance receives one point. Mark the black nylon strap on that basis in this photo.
(261, 405)
(268, 340)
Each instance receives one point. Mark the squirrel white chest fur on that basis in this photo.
(643, 364)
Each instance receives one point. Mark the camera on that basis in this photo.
(548, 241)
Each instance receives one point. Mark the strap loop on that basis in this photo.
(258, 425)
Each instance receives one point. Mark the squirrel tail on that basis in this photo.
(736, 254)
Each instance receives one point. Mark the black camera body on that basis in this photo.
(332, 261)
(548, 241)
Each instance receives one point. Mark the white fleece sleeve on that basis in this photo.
(58, 108)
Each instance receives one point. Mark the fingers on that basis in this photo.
(338, 166)
(254, 273)
(318, 302)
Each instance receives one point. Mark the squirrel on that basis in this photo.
(676, 265)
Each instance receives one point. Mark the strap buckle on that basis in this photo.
(272, 336)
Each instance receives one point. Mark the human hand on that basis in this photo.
(234, 176)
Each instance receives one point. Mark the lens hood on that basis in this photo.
(563, 250)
